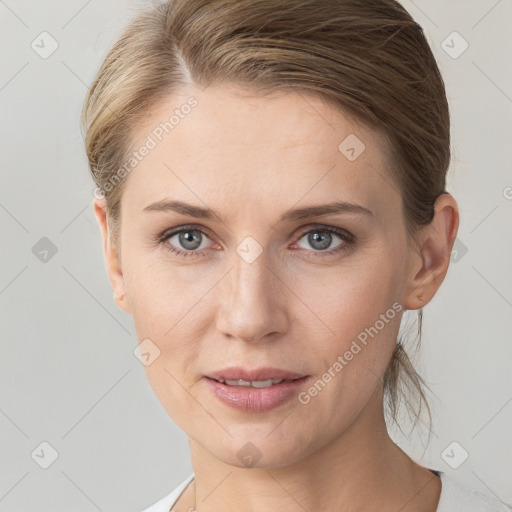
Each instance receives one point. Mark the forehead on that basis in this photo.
(234, 144)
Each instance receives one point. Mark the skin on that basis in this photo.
(251, 158)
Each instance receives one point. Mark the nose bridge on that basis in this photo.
(250, 280)
(250, 308)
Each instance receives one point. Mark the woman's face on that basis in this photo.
(262, 285)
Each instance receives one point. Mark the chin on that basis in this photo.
(257, 450)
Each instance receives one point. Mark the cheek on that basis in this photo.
(350, 297)
(358, 310)
(174, 394)
(161, 294)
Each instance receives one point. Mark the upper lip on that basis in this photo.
(260, 374)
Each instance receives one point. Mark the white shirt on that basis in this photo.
(455, 497)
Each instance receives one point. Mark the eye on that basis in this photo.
(185, 241)
(321, 238)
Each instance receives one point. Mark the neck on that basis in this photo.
(362, 469)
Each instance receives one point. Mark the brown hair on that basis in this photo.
(369, 59)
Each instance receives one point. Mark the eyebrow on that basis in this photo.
(291, 215)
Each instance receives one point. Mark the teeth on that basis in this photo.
(265, 383)
(252, 383)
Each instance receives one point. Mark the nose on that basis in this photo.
(252, 299)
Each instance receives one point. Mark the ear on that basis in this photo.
(112, 258)
(430, 263)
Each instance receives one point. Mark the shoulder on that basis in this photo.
(457, 497)
(164, 504)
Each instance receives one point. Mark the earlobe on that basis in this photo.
(431, 262)
(112, 258)
(122, 302)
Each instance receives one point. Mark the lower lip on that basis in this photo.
(252, 399)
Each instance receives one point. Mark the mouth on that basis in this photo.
(255, 390)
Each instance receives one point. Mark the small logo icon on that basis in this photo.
(44, 250)
(454, 45)
(454, 455)
(249, 455)
(146, 352)
(44, 45)
(458, 252)
(98, 193)
(249, 249)
(44, 455)
(351, 147)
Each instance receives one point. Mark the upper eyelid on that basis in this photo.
(323, 227)
(166, 234)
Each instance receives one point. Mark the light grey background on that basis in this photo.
(67, 369)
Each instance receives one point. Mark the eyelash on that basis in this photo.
(347, 238)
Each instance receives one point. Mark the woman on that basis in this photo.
(271, 195)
